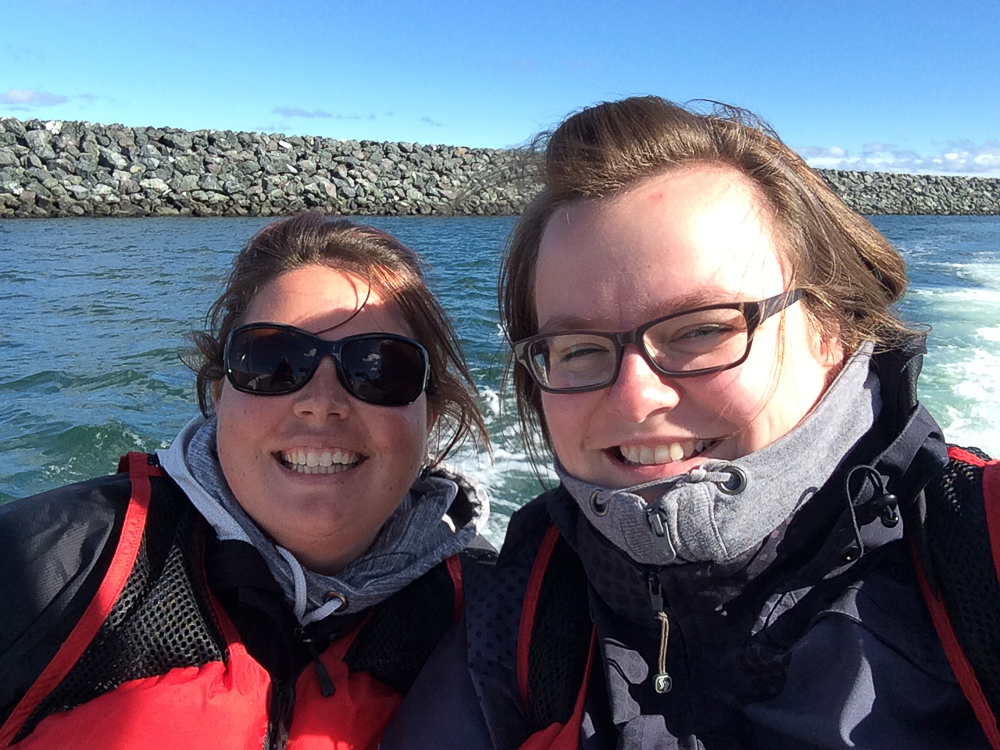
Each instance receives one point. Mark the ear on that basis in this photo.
(831, 351)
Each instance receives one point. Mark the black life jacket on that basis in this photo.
(956, 552)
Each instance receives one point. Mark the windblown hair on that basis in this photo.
(852, 274)
(385, 264)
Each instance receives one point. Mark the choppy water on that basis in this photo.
(92, 312)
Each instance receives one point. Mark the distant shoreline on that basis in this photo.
(67, 168)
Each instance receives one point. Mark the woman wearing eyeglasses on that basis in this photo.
(704, 339)
(278, 575)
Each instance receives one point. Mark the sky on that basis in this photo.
(893, 85)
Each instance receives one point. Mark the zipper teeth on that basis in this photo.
(283, 693)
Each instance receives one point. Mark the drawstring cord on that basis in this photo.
(662, 682)
(326, 686)
(885, 501)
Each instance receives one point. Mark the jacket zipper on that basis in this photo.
(662, 682)
(282, 700)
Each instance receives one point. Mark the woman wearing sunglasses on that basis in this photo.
(704, 339)
(279, 574)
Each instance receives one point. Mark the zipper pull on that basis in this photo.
(657, 519)
(662, 682)
(326, 686)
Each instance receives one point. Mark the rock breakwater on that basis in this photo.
(60, 168)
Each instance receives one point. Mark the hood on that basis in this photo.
(822, 527)
(438, 517)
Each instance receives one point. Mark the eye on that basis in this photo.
(704, 332)
(574, 352)
(581, 352)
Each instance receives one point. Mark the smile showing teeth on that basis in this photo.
(663, 454)
(323, 462)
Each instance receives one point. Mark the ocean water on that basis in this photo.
(94, 311)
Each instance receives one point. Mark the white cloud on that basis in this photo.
(957, 158)
(821, 152)
(25, 98)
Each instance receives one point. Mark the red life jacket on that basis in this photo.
(226, 700)
(956, 552)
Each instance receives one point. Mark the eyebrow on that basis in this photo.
(682, 303)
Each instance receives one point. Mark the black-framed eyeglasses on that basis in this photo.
(681, 345)
(272, 359)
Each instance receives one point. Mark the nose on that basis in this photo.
(639, 391)
(324, 396)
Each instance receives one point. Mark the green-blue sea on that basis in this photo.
(93, 312)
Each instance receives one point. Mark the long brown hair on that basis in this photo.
(852, 274)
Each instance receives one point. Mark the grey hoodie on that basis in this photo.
(416, 537)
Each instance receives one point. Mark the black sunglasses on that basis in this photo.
(271, 359)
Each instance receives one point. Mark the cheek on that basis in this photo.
(242, 421)
(731, 398)
(406, 431)
(570, 419)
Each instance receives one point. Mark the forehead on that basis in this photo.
(318, 298)
(693, 236)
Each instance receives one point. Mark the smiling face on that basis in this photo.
(269, 445)
(691, 237)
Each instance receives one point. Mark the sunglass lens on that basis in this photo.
(383, 371)
(270, 361)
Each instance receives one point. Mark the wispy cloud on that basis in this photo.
(586, 66)
(294, 112)
(429, 121)
(520, 64)
(22, 54)
(319, 113)
(27, 99)
(963, 157)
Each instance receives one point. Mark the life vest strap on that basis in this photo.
(101, 605)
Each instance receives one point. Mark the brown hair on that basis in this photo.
(388, 265)
(851, 272)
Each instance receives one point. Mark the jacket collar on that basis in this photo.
(847, 518)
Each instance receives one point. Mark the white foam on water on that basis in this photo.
(962, 379)
(489, 402)
(986, 273)
(960, 384)
(990, 334)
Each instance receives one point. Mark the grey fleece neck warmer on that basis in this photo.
(415, 538)
(722, 509)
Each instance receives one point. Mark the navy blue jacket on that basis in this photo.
(807, 641)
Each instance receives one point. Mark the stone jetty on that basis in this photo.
(59, 168)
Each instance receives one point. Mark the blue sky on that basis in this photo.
(898, 85)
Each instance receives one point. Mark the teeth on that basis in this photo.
(326, 462)
(662, 454)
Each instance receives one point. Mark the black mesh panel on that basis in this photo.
(161, 620)
(962, 557)
(394, 644)
(560, 639)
